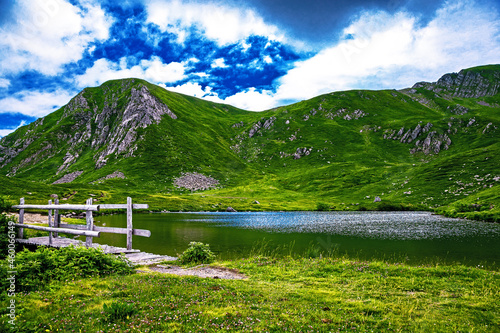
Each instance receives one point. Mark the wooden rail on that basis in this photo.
(89, 230)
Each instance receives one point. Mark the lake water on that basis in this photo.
(415, 237)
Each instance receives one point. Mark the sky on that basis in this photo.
(254, 54)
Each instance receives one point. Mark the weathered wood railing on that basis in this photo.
(89, 230)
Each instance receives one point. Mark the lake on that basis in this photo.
(414, 237)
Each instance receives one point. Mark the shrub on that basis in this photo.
(38, 269)
(197, 252)
(117, 310)
(321, 206)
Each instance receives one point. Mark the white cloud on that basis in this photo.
(48, 34)
(219, 63)
(252, 100)
(5, 132)
(35, 103)
(385, 51)
(268, 59)
(248, 100)
(4, 83)
(218, 22)
(395, 51)
(153, 70)
(196, 90)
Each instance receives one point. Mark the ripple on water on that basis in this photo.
(380, 225)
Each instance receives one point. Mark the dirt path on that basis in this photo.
(31, 217)
(203, 271)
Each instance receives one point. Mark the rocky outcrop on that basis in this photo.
(263, 123)
(301, 152)
(346, 114)
(428, 142)
(196, 181)
(116, 174)
(465, 84)
(68, 178)
(142, 110)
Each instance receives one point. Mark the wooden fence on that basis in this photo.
(89, 230)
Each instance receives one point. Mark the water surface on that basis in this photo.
(416, 237)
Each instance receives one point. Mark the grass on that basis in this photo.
(314, 295)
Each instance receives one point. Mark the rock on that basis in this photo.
(301, 152)
(55, 196)
(142, 110)
(377, 199)
(68, 178)
(196, 181)
(116, 174)
(254, 129)
(231, 210)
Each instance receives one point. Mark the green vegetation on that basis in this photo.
(197, 253)
(4, 228)
(337, 151)
(37, 270)
(280, 294)
(118, 311)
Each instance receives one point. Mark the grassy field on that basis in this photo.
(280, 295)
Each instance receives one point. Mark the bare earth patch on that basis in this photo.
(203, 271)
(31, 218)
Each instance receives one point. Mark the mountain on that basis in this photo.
(434, 145)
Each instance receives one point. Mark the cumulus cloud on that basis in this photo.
(217, 22)
(153, 70)
(35, 103)
(5, 132)
(250, 99)
(381, 51)
(219, 63)
(4, 83)
(48, 34)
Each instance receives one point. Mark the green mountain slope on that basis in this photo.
(429, 146)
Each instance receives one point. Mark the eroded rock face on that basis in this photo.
(466, 84)
(431, 143)
(142, 110)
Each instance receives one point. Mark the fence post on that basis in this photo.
(129, 223)
(57, 218)
(20, 231)
(50, 223)
(90, 224)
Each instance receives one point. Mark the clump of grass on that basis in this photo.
(118, 311)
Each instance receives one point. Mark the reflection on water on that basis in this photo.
(415, 235)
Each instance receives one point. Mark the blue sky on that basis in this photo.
(254, 54)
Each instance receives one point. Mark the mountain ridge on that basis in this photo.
(337, 147)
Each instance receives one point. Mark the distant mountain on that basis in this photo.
(435, 144)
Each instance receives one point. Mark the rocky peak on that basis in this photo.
(142, 110)
(468, 83)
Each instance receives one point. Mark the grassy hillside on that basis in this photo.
(421, 148)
